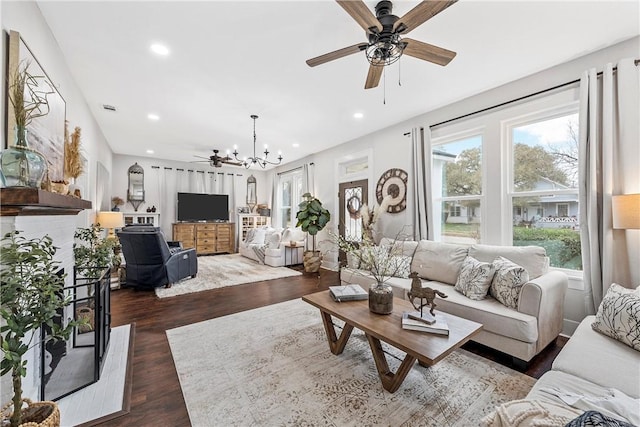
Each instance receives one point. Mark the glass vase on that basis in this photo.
(20, 165)
(381, 298)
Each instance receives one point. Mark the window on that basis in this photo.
(457, 188)
(544, 185)
(290, 193)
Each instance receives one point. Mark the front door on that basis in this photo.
(351, 196)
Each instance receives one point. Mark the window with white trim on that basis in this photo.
(290, 194)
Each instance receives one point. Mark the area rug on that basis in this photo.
(218, 271)
(272, 366)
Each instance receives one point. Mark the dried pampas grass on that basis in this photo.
(73, 166)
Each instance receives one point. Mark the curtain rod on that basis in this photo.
(635, 62)
(294, 169)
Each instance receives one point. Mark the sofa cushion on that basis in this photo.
(507, 282)
(475, 278)
(438, 261)
(399, 247)
(600, 359)
(533, 258)
(401, 266)
(618, 316)
(610, 401)
(272, 239)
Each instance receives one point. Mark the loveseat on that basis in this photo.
(593, 372)
(266, 245)
(522, 331)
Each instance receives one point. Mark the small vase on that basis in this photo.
(20, 165)
(381, 298)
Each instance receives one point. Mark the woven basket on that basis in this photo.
(53, 420)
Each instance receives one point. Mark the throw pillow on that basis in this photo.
(618, 316)
(474, 278)
(249, 236)
(595, 418)
(353, 260)
(507, 282)
(258, 237)
(400, 266)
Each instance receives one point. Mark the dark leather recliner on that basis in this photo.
(151, 260)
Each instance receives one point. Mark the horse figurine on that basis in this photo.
(417, 291)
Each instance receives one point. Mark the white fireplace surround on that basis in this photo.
(61, 229)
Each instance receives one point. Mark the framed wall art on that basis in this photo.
(45, 134)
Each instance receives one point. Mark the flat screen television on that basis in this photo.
(194, 207)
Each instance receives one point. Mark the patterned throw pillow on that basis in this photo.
(508, 281)
(401, 266)
(618, 316)
(249, 236)
(474, 278)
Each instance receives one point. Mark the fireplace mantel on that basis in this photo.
(33, 201)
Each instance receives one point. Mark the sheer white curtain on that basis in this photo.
(609, 153)
(167, 197)
(421, 174)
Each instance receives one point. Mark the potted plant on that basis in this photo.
(312, 218)
(116, 201)
(31, 295)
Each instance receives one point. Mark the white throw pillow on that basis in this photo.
(618, 316)
(353, 260)
(507, 282)
(475, 278)
(258, 237)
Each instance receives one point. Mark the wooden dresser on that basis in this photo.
(207, 238)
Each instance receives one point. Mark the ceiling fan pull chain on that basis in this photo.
(384, 86)
(400, 72)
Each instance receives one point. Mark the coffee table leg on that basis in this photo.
(336, 345)
(390, 381)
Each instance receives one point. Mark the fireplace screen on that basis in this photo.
(68, 366)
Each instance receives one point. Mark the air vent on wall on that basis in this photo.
(109, 107)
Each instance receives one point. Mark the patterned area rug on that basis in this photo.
(272, 366)
(218, 271)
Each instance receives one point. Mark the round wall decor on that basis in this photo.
(393, 183)
(353, 206)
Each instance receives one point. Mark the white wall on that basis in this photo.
(393, 150)
(25, 17)
(121, 164)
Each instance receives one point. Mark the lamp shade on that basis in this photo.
(626, 211)
(110, 219)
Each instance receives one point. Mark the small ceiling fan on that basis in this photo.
(385, 46)
(217, 161)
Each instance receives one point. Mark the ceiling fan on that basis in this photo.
(385, 46)
(217, 161)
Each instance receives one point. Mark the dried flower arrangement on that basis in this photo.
(73, 166)
(117, 201)
(27, 96)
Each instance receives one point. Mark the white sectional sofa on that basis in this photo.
(266, 245)
(522, 332)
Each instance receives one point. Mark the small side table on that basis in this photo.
(291, 251)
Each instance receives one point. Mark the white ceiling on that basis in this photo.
(232, 59)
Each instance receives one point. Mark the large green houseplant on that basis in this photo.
(31, 295)
(312, 218)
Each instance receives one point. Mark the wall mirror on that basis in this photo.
(135, 191)
(252, 197)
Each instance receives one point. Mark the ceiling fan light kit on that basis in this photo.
(255, 160)
(385, 45)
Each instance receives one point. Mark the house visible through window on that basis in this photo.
(457, 188)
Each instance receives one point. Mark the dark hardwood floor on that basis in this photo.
(156, 398)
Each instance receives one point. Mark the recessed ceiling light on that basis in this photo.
(358, 115)
(152, 116)
(296, 145)
(150, 151)
(160, 49)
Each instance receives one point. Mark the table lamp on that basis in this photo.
(110, 221)
(626, 211)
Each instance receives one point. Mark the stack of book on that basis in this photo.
(348, 293)
(433, 324)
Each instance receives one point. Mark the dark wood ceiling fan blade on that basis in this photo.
(420, 14)
(428, 52)
(361, 13)
(345, 51)
(373, 77)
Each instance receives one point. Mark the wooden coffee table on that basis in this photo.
(427, 348)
